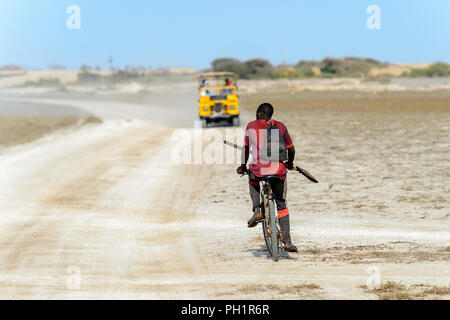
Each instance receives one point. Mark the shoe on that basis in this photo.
(290, 248)
(253, 221)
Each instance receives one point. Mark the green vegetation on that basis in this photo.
(328, 67)
(350, 66)
(438, 69)
(259, 68)
(130, 75)
(42, 82)
(231, 65)
(139, 74)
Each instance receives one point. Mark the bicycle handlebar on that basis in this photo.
(298, 169)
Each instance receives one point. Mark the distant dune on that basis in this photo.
(397, 70)
(13, 78)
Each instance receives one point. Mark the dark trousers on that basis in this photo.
(279, 190)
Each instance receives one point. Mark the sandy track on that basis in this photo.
(106, 201)
(94, 199)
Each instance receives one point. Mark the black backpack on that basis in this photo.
(274, 147)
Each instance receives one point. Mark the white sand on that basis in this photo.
(107, 200)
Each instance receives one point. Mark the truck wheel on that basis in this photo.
(204, 123)
(236, 122)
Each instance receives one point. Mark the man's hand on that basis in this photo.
(289, 165)
(241, 169)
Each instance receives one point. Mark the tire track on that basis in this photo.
(120, 213)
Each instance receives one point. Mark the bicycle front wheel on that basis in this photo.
(273, 231)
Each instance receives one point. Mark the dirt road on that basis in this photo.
(101, 212)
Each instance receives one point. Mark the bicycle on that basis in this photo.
(271, 227)
(270, 224)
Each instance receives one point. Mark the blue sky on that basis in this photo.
(170, 33)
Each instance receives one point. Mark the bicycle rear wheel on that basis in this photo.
(273, 231)
(266, 228)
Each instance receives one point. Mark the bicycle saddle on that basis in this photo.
(271, 177)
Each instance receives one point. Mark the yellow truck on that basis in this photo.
(218, 99)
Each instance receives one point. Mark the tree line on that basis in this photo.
(328, 67)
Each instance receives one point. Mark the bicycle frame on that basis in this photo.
(267, 202)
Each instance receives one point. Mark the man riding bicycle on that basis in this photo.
(260, 167)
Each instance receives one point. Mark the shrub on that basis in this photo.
(304, 71)
(43, 82)
(120, 75)
(230, 65)
(86, 76)
(330, 66)
(349, 66)
(438, 69)
(307, 63)
(259, 68)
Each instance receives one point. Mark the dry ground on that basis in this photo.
(16, 130)
(105, 200)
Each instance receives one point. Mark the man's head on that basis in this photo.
(264, 111)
